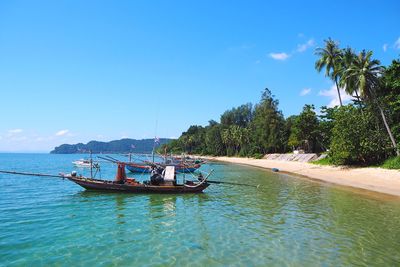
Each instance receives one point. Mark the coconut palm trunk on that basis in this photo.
(388, 130)
(338, 92)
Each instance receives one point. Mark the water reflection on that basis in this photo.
(161, 205)
(287, 221)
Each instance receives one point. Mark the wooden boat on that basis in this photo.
(184, 159)
(146, 167)
(137, 167)
(130, 185)
(167, 184)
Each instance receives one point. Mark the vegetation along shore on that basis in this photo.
(364, 132)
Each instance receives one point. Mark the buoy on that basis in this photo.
(275, 169)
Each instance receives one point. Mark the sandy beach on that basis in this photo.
(373, 179)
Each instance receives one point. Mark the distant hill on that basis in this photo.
(117, 146)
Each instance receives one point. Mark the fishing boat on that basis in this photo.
(164, 182)
(184, 159)
(147, 167)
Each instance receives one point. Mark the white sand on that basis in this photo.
(373, 179)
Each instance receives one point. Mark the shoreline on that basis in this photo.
(368, 178)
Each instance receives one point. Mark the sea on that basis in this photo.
(285, 221)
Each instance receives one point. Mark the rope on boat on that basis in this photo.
(197, 185)
(221, 182)
(202, 181)
(141, 175)
(32, 174)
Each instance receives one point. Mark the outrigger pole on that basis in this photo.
(33, 174)
(220, 182)
(110, 159)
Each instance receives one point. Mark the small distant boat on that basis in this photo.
(184, 159)
(85, 163)
(136, 167)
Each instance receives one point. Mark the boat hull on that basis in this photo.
(138, 168)
(138, 188)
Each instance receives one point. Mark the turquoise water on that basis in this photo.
(288, 221)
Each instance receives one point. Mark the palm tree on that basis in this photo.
(364, 75)
(226, 138)
(235, 135)
(329, 58)
(347, 57)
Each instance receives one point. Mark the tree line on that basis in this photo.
(364, 131)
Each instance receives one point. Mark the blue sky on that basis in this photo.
(74, 71)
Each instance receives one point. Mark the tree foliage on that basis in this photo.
(357, 138)
(267, 125)
(353, 134)
(305, 132)
(390, 95)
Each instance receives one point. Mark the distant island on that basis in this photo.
(116, 146)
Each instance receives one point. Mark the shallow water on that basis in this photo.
(287, 221)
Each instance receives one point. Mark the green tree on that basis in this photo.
(347, 59)
(213, 140)
(329, 57)
(227, 140)
(240, 116)
(326, 124)
(390, 95)
(357, 138)
(364, 75)
(289, 136)
(267, 126)
(305, 130)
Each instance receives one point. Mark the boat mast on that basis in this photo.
(154, 146)
(155, 132)
(91, 164)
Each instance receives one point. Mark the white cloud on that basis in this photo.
(397, 43)
(15, 131)
(62, 132)
(333, 96)
(305, 91)
(385, 47)
(258, 61)
(300, 49)
(279, 56)
(303, 47)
